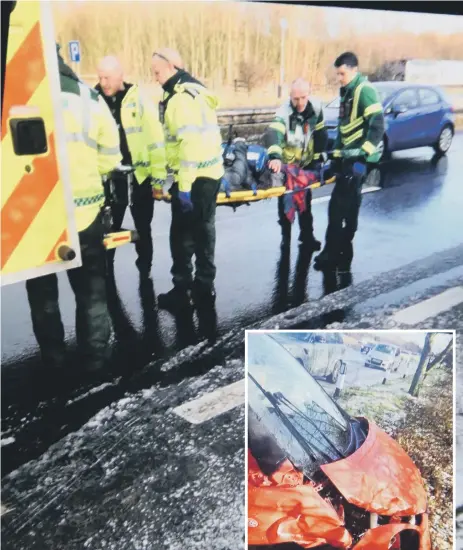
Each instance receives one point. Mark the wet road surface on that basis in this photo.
(407, 250)
(417, 213)
(360, 376)
(137, 476)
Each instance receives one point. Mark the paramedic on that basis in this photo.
(361, 129)
(93, 150)
(194, 154)
(297, 135)
(142, 145)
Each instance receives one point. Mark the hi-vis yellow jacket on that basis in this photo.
(92, 144)
(193, 139)
(145, 137)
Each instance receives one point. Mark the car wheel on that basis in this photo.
(383, 150)
(444, 141)
(373, 178)
(335, 372)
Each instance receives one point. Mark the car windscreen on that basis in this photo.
(293, 407)
(291, 337)
(383, 348)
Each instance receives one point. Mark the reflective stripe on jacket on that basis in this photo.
(193, 139)
(92, 146)
(297, 137)
(361, 119)
(145, 136)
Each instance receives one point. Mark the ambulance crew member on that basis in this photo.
(297, 135)
(360, 131)
(142, 145)
(194, 154)
(93, 150)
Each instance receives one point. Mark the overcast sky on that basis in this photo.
(377, 21)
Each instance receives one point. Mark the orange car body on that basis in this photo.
(379, 477)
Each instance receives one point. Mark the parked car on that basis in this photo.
(317, 476)
(384, 356)
(319, 353)
(415, 116)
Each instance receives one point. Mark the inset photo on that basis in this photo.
(350, 440)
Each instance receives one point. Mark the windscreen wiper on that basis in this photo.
(289, 425)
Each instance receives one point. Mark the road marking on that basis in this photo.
(212, 404)
(326, 198)
(430, 307)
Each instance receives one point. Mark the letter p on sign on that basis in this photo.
(74, 51)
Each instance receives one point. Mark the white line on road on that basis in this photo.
(326, 198)
(212, 404)
(430, 307)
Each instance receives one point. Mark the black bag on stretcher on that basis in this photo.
(118, 187)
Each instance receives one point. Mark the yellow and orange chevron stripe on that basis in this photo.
(36, 205)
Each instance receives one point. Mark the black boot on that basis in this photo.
(346, 256)
(309, 241)
(144, 268)
(175, 300)
(327, 259)
(203, 296)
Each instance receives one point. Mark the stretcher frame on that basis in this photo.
(246, 196)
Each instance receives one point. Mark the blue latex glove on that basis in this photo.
(185, 201)
(226, 187)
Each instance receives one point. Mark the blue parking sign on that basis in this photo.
(74, 51)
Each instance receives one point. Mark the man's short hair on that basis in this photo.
(111, 63)
(300, 84)
(171, 56)
(347, 58)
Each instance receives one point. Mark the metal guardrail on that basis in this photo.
(246, 116)
(250, 117)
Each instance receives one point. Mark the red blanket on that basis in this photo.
(296, 180)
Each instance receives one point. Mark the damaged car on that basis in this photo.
(318, 477)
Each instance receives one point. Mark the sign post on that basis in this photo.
(283, 26)
(74, 55)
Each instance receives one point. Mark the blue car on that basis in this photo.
(415, 116)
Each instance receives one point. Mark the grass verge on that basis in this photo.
(424, 428)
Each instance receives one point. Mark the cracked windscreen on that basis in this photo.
(294, 408)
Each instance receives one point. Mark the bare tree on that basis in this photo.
(428, 362)
(214, 37)
(422, 365)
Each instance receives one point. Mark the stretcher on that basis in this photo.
(246, 196)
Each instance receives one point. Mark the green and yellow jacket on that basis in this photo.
(361, 119)
(92, 144)
(295, 137)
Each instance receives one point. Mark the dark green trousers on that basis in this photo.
(343, 210)
(193, 233)
(92, 318)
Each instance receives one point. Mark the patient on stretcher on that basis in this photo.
(246, 168)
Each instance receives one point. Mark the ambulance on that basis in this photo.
(38, 228)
